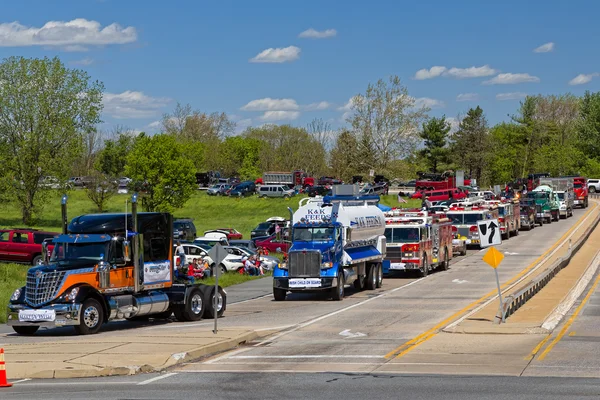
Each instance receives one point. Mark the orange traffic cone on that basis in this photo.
(3, 381)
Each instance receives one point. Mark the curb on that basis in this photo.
(174, 359)
(565, 305)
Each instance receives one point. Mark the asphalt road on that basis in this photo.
(304, 386)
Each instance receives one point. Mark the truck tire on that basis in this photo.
(371, 282)
(446, 263)
(338, 291)
(92, 317)
(592, 189)
(178, 312)
(359, 283)
(36, 260)
(193, 309)
(424, 268)
(209, 294)
(279, 294)
(26, 330)
(379, 275)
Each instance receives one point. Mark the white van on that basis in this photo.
(275, 191)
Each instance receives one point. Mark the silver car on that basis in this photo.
(218, 189)
(269, 262)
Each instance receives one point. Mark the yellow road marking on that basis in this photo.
(572, 333)
(417, 340)
(537, 348)
(570, 321)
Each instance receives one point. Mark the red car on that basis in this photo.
(272, 244)
(23, 245)
(231, 233)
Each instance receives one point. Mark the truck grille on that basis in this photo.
(463, 232)
(393, 253)
(305, 264)
(43, 288)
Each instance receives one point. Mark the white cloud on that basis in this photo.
(454, 123)
(511, 96)
(321, 105)
(131, 104)
(242, 124)
(583, 78)
(155, 124)
(70, 35)
(84, 62)
(272, 116)
(347, 109)
(467, 97)
(277, 55)
(269, 104)
(314, 34)
(428, 103)
(510, 79)
(545, 48)
(429, 73)
(458, 73)
(471, 72)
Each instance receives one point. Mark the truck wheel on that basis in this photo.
(372, 277)
(26, 330)
(92, 317)
(209, 302)
(379, 275)
(279, 294)
(223, 269)
(359, 283)
(592, 189)
(446, 263)
(338, 291)
(178, 312)
(194, 305)
(36, 260)
(424, 269)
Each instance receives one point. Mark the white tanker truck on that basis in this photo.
(336, 241)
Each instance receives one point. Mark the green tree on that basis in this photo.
(46, 112)
(435, 135)
(160, 169)
(111, 160)
(588, 125)
(471, 143)
(239, 156)
(344, 156)
(100, 189)
(506, 153)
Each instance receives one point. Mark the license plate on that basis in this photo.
(576, 201)
(398, 266)
(36, 315)
(475, 241)
(305, 283)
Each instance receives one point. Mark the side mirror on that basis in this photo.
(45, 255)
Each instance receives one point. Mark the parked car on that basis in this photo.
(229, 232)
(314, 191)
(211, 241)
(269, 262)
(274, 245)
(184, 229)
(593, 185)
(246, 188)
(276, 191)
(267, 228)
(248, 244)
(50, 182)
(23, 245)
(218, 189)
(230, 263)
(377, 189)
(79, 181)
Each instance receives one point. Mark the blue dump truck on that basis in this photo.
(337, 241)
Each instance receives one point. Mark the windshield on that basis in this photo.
(263, 226)
(561, 196)
(501, 211)
(312, 234)
(465, 219)
(401, 235)
(577, 185)
(537, 195)
(70, 252)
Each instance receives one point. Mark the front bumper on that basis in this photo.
(66, 315)
(284, 283)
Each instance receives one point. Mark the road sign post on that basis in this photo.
(493, 257)
(489, 233)
(217, 254)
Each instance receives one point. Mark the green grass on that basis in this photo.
(12, 276)
(233, 278)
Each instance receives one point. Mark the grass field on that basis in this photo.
(208, 213)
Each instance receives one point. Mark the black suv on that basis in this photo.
(318, 191)
(184, 229)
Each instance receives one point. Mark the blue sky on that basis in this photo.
(201, 52)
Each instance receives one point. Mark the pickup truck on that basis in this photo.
(23, 245)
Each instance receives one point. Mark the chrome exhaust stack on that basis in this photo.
(137, 284)
(63, 208)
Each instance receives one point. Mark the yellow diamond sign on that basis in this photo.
(493, 257)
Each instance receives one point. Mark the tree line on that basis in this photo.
(49, 117)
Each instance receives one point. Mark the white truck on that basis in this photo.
(564, 190)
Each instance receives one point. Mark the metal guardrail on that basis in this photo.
(514, 301)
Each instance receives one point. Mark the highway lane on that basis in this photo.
(248, 386)
(368, 329)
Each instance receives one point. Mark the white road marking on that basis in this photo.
(508, 253)
(226, 355)
(245, 301)
(20, 381)
(308, 356)
(348, 334)
(459, 281)
(157, 378)
(275, 328)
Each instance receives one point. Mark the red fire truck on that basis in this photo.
(580, 188)
(294, 178)
(464, 217)
(509, 216)
(434, 181)
(417, 240)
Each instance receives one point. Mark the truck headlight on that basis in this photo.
(283, 265)
(326, 265)
(72, 294)
(16, 294)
